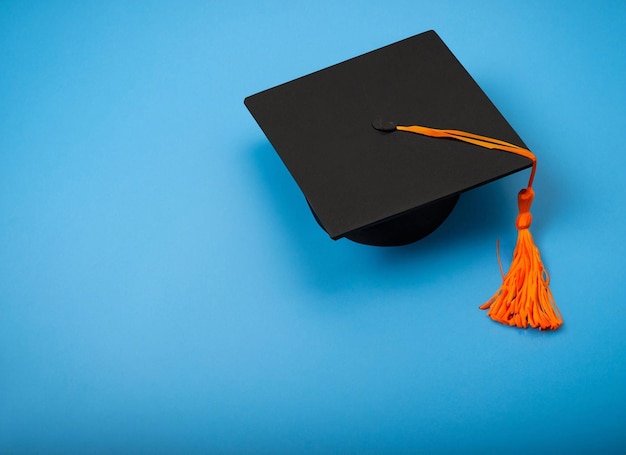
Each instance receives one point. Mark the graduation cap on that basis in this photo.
(342, 134)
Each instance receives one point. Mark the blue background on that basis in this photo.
(164, 286)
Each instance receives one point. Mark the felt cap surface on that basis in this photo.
(377, 187)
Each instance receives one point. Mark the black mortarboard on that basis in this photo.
(370, 186)
(336, 130)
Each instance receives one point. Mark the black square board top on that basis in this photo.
(373, 186)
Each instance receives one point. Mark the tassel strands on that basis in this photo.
(525, 299)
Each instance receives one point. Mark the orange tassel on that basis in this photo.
(525, 299)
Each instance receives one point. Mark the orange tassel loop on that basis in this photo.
(524, 299)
